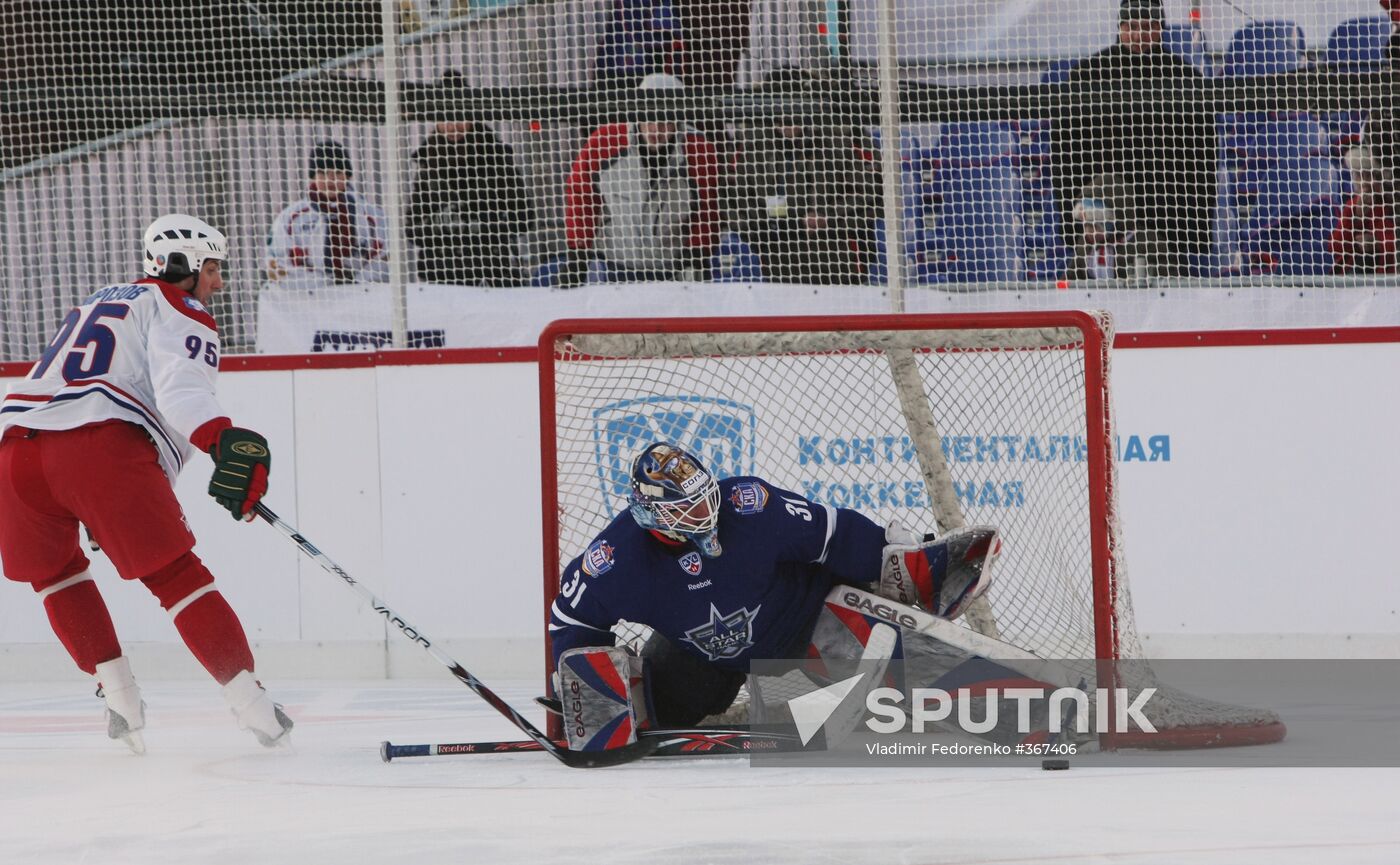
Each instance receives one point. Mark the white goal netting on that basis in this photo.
(1189, 164)
(931, 421)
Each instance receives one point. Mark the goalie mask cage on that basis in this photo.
(934, 421)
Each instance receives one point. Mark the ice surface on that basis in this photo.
(207, 793)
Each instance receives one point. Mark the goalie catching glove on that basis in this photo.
(602, 697)
(943, 575)
(241, 464)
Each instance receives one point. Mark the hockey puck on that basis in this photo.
(1050, 765)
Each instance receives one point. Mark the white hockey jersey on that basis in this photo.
(296, 243)
(145, 352)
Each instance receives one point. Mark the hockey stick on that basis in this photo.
(577, 759)
(686, 742)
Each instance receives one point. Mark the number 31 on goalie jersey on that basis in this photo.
(572, 590)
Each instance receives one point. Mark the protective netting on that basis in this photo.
(1235, 157)
(1011, 429)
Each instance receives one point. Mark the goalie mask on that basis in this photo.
(674, 495)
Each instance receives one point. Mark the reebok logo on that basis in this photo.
(703, 584)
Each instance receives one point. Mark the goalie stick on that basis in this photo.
(576, 759)
(683, 742)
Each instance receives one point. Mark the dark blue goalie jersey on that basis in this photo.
(759, 598)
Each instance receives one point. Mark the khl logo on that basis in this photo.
(721, 432)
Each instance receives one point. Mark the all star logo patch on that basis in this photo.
(749, 497)
(598, 558)
(725, 635)
(691, 563)
(195, 305)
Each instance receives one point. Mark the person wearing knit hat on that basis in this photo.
(658, 134)
(1135, 10)
(334, 234)
(468, 205)
(643, 198)
(331, 156)
(1140, 24)
(1136, 127)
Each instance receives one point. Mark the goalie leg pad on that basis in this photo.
(843, 634)
(601, 690)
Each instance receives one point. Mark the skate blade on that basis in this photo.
(134, 741)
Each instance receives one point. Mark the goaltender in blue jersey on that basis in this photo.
(727, 571)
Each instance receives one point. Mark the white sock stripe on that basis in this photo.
(569, 620)
(179, 607)
(830, 530)
(80, 577)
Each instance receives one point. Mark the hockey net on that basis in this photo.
(931, 421)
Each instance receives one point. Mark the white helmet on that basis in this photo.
(176, 246)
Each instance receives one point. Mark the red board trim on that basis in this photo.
(529, 354)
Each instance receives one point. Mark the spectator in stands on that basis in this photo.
(1098, 251)
(642, 197)
(1364, 239)
(808, 192)
(468, 208)
(334, 234)
(1382, 132)
(1134, 112)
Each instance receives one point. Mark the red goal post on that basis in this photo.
(932, 420)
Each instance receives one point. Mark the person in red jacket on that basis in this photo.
(643, 198)
(1364, 239)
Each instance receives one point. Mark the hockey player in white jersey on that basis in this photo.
(97, 432)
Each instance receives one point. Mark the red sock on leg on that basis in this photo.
(211, 629)
(80, 619)
(206, 622)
